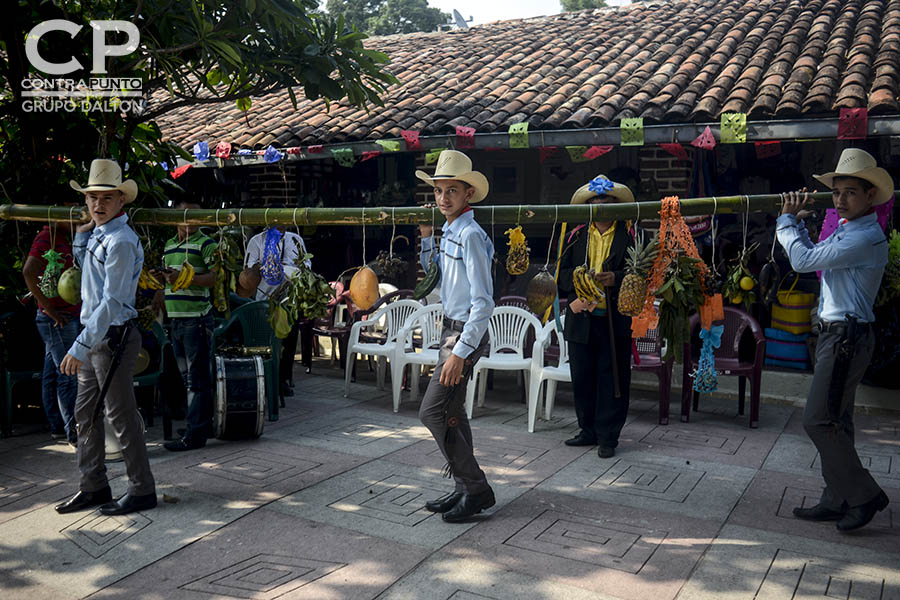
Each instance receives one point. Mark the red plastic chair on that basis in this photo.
(649, 360)
(740, 355)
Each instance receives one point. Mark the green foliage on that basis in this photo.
(387, 17)
(571, 5)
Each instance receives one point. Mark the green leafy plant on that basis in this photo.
(680, 295)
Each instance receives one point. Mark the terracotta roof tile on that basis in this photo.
(672, 61)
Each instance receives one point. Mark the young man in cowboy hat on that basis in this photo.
(467, 291)
(104, 352)
(852, 261)
(598, 336)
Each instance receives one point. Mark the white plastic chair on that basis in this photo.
(428, 322)
(507, 329)
(549, 373)
(393, 316)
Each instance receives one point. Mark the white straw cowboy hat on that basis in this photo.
(106, 176)
(860, 164)
(452, 164)
(600, 183)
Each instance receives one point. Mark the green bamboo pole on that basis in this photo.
(522, 214)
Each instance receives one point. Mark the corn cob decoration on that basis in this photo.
(517, 260)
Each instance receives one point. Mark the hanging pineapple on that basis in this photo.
(517, 260)
(633, 291)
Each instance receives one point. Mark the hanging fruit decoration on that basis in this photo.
(364, 288)
(634, 285)
(53, 270)
(517, 260)
(586, 286)
(739, 282)
(541, 292)
(69, 286)
(185, 277)
(429, 282)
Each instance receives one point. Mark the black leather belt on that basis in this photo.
(454, 325)
(841, 326)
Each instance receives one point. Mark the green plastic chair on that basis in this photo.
(152, 378)
(253, 319)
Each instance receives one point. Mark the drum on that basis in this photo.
(240, 398)
(111, 442)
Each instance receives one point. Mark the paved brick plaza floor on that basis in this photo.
(328, 504)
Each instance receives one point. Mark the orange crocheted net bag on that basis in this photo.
(674, 235)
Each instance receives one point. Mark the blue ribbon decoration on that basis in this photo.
(705, 377)
(272, 270)
(600, 185)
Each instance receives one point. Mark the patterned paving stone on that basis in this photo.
(600, 547)
(355, 431)
(730, 445)
(770, 499)
(775, 565)
(384, 499)
(254, 473)
(459, 575)
(47, 555)
(268, 555)
(794, 454)
(21, 492)
(644, 480)
(505, 456)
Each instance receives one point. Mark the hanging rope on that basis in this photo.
(552, 233)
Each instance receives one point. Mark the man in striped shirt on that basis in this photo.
(191, 325)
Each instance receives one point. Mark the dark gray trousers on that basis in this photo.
(442, 402)
(847, 482)
(121, 408)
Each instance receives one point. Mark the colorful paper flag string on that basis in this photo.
(767, 149)
(706, 140)
(596, 152)
(294, 150)
(676, 150)
(465, 137)
(370, 154)
(317, 149)
(223, 150)
(389, 145)
(546, 152)
(344, 156)
(181, 170)
(576, 153)
(632, 131)
(412, 139)
(518, 135)
(853, 124)
(272, 155)
(734, 128)
(432, 155)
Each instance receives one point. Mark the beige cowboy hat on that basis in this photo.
(618, 191)
(106, 176)
(452, 164)
(860, 164)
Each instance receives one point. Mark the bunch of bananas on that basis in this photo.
(148, 281)
(185, 277)
(586, 287)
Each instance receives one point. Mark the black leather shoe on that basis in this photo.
(818, 513)
(470, 505)
(582, 439)
(129, 504)
(858, 516)
(444, 503)
(606, 452)
(182, 445)
(83, 500)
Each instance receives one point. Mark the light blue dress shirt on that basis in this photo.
(111, 258)
(467, 289)
(852, 261)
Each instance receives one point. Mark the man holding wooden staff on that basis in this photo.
(852, 262)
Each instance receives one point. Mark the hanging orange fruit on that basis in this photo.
(364, 288)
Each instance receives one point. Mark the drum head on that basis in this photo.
(142, 361)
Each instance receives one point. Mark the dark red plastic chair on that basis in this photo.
(649, 360)
(741, 355)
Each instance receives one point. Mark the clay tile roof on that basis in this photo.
(667, 61)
